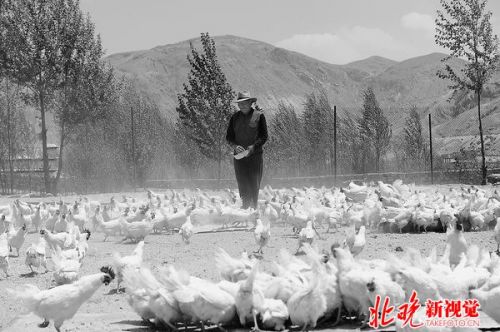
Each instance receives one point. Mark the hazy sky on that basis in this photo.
(330, 30)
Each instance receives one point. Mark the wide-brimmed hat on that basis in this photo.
(245, 95)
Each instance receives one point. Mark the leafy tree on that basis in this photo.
(318, 130)
(87, 85)
(186, 154)
(16, 135)
(350, 144)
(374, 128)
(42, 45)
(205, 105)
(286, 142)
(413, 142)
(147, 135)
(464, 28)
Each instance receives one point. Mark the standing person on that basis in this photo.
(247, 133)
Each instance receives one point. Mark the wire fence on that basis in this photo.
(34, 183)
(464, 176)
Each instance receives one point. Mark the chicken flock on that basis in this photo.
(318, 288)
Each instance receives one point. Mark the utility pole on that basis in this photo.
(335, 144)
(133, 144)
(430, 142)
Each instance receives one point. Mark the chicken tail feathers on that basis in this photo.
(135, 280)
(225, 264)
(311, 253)
(117, 259)
(258, 299)
(174, 279)
(138, 251)
(56, 257)
(28, 295)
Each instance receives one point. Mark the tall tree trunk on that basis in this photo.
(9, 138)
(298, 164)
(46, 174)
(219, 163)
(60, 159)
(483, 158)
(87, 168)
(29, 174)
(219, 168)
(331, 158)
(377, 158)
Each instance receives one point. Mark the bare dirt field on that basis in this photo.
(109, 311)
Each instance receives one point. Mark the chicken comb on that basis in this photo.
(108, 270)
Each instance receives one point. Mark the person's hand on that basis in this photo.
(238, 149)
(250, 149)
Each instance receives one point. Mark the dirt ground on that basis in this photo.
(109, 311)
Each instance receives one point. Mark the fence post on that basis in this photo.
(335, 145)
(430, 142)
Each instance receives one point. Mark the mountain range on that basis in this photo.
(273, 74)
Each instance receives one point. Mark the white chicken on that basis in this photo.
(353, 279)
(133, 261)
(83, 245)
(198, 299)
(16, 240)
(149, 298)
(176, 219)
(4, 254)
(112, 227)
(298, 218)
(308, 304)
(66, 266)
(59, 240)
(137, 230)
(237, 217)
(36, 218)
(384, 287)
(307, 234)
(262, 234)
(62, 302)
(423, 218)
(489, 301)
(354, 216)
(35, 255)
(355, 193)
(457, 244)
(78, 217)
(327, 273)
(4, 224)
(273, 312)
(23, 207)
(186, 230)
(233, 269)
(355, 242)
(496, 235)
(51, 221)
(270, 213)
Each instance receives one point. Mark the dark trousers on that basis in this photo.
(248, 175)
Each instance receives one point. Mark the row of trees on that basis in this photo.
(462, 26)
(16, 135)
(51, 51)
(51, 59)
(299, 143)
(302, 143)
